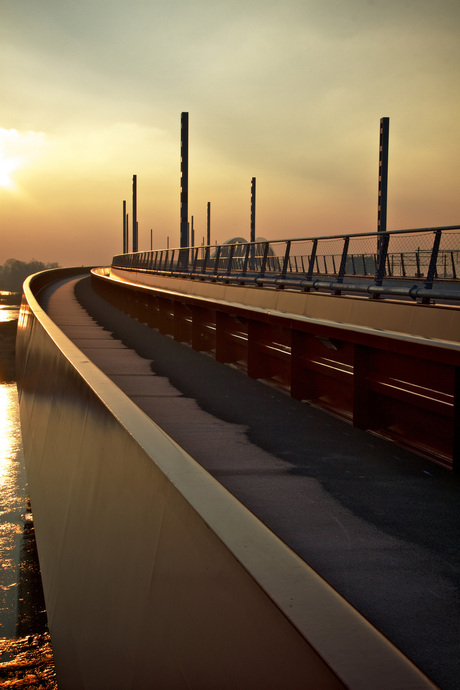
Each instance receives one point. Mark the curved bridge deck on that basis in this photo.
(378, 523)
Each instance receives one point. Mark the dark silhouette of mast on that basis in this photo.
(184, 181)
(253, 210)
(383, 174)
(135, 227)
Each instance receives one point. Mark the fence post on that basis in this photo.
(382, 257)
(230, 259)
(431, 273)
(311, 266)
(246, 259)
(264, 260)
(454, 272)
(216, 260)
(206, 257)
(195, 260)
(286, 259)
(343, 262)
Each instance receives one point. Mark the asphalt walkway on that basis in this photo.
(379, 523)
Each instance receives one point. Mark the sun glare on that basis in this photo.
(16, 150)
(7, 167)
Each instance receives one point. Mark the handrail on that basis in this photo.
(419, 264)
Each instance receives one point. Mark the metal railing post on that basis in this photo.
(195, 260)
(454, 270)
(286, 259)
(216, 260)
(205, 261)
(431, 273)
(403, 267)
(311, 265)
(246, 259)
(353, 264)
(382, 257)
(417, 261)
(343, 261)
(230, 259)
(264, 260)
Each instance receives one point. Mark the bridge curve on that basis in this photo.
(389, 366)
(43, 351)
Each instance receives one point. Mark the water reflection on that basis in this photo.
(7, 314)
(13, 502)
(9, 302)
(25, 649)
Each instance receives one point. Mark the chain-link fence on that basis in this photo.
(426, 256)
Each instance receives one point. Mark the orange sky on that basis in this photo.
(291, 93)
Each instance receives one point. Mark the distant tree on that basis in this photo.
(14, 272)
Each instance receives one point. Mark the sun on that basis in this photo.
(11, 157)
(18, 151)
(7, 168)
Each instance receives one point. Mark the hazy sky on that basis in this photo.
(290, 92)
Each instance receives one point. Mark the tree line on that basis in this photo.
(14, 272)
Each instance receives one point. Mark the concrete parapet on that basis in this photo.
(438, 322)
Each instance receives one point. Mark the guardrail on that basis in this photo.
(421, 264)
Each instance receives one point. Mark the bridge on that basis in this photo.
(199, 528)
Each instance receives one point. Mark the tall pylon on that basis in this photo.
(184, 181)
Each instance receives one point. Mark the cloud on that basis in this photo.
(289, 92)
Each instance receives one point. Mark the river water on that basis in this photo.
(25, 651)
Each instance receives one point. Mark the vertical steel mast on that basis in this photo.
(253, 210)
(135, 233)
(125, 239)
(383, 174)
(184, 181)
